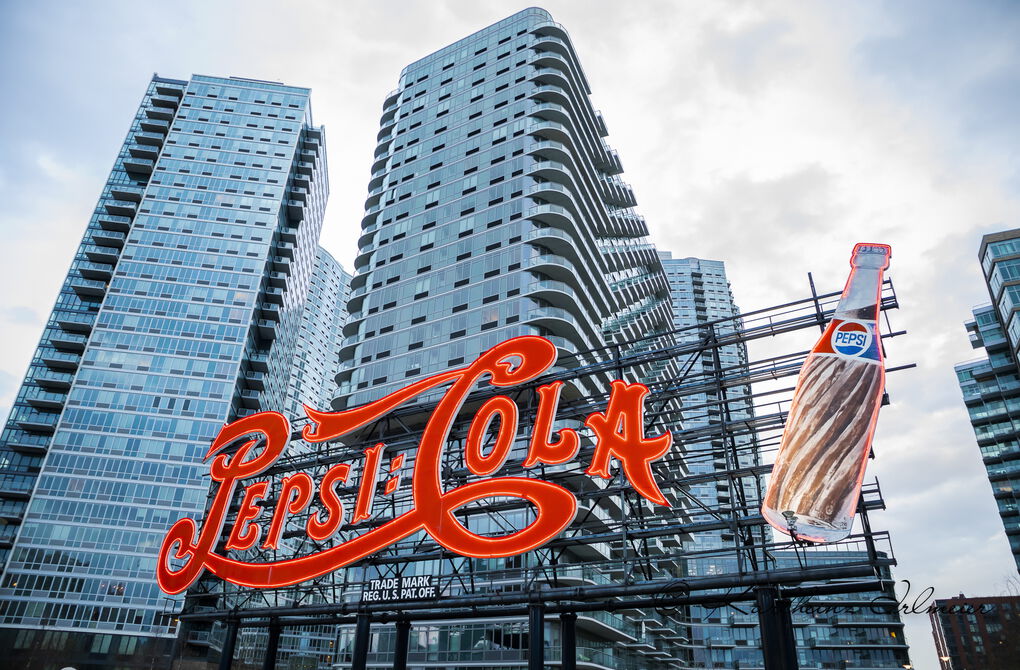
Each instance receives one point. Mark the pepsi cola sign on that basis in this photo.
(246, 448)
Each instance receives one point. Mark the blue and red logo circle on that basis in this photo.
(851, 338)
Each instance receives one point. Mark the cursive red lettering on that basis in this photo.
(181, 543)
(300, 484)
(620, 432)
(476, 461)
(369, 478)
(245, 533)
(316, 528)
(542, 449)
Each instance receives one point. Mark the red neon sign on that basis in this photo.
(618, 433)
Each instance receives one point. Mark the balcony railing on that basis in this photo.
(38, 397)
(88, 288)
(100, 253)
(121, 207)
(59, 360)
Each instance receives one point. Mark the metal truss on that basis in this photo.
(621, 552)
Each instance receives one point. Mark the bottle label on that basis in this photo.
(850, 339)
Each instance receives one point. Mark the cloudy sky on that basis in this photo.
(770, 135)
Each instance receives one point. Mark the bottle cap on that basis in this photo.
(870, 255)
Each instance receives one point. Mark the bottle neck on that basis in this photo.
(861, 295)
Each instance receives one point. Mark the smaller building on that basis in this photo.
(977, 633)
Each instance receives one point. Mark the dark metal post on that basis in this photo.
(272, 645)
(229, 642)
(363, 629)
(776, 624)
(536, 636)
(400, 649)
(568, 641)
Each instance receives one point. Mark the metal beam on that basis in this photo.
(361, 639)
(536, 636)
(272, 645)
(778, 646)
(402, 641)
(229, 642)
(568, 641)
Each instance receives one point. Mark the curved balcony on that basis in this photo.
(617, 192)
(59, 360)
(560, 321)
(27, 443)
(563, 269)
(157, 126)
(93, 270)
(552, 82)
(273, 294)
(558, 154)
(306, 168)
(553, 43)
(121, 207)
(116, 223)
(38, 422)
(392, 98)
(556, 293)
(577, 217)
(150, 138)
(277, 279)
(109, 238)
(54, 379)
(139, 165)
(76, 322)
(144, 151)
(88, 289)
(266, 328)
(160, 113)
(18, 487)
(40, 398)
(69, 341)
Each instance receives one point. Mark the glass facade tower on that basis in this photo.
(312, 377)
(495, 210)
(181, 311)
(991, 385)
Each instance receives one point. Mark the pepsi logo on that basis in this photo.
(851, 338)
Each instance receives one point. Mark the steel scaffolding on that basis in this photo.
(621, 554)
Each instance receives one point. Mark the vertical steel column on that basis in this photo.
(400, 649)
(229, 642)
(272, 645)
(536, 636)
(776, 625)
(363, 629)
(568, 641)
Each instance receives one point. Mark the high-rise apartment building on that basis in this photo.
(496, 210)
(991, 386)
(181, 311)
(867, 631)
(317, 357)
